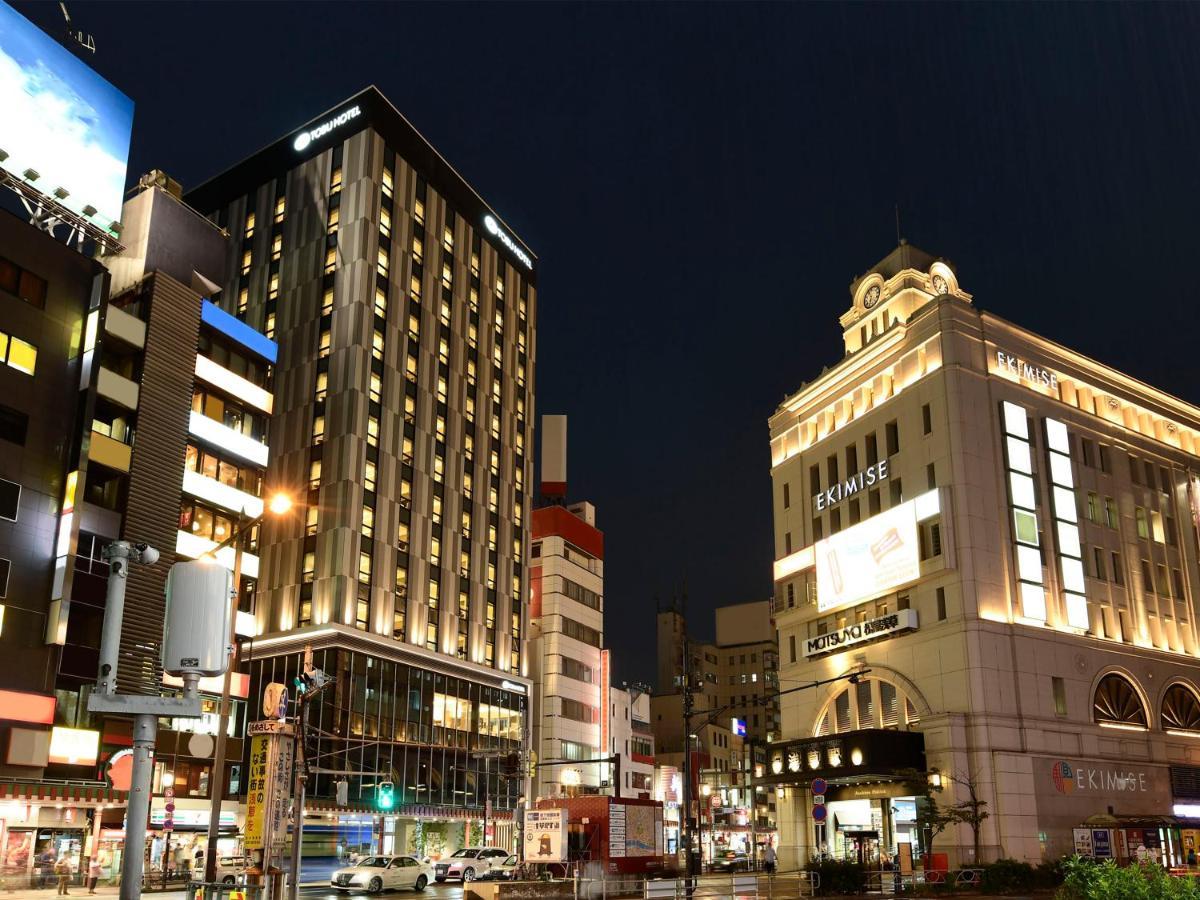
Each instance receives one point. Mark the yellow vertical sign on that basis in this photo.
(256, 792)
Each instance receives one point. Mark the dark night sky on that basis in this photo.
(702, 182)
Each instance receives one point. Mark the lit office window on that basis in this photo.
(464, 564)
(469, 410)
(468, 484)
(491, 614)
(440, 427)
(474, 263)
(441, 389)
(410, 405)
(493, 501)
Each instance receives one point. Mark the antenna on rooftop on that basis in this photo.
(899, 240)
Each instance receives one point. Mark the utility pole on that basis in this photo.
(313, 683)
(685, 821)
(193, 638)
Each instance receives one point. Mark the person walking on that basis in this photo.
(94, 872)
(769, 859)
(62, 870)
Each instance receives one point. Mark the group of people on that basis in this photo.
(60, 869)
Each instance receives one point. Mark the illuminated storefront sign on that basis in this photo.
(74, 746)
(494, 229)
(844, 490)
(1039, 376)
(304, 138)
(17, 706)
(868, 559)
(860, 632)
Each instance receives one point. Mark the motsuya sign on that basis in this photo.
(1039, 376)
(494, 229)
(304, 138)
(860, 632)
(844, 490)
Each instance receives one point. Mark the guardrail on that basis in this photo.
(783, 886)
(893, 880)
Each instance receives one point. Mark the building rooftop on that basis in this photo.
(905, 256)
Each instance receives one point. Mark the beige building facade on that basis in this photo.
(1000, 534)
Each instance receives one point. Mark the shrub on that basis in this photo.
(1007, 876)
(1088, 880)
(839, 876)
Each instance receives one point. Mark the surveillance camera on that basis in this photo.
(147, 554)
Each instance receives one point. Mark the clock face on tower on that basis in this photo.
(939, 285)
(871, 297)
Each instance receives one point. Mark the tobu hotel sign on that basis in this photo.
(844, 490)
(304, 138)
(861, 632)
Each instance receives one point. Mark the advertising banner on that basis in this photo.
(256, 792)
(62, 121)
(868, 559)
(545, 835)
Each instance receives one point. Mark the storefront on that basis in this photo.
(1134, 799)
(41, 823)
(859, 790)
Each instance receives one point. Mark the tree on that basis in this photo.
(933, 818)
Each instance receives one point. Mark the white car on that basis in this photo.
(378, 873)
(232, 869)
(469, 863)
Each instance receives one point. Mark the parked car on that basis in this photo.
(469, 863)
(503, 871)
(730, 861)
(377, 873)
(232, 869)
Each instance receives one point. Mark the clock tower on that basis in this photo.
(889, 294)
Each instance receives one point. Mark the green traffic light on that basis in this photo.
(386, 796)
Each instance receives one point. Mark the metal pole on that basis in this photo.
(218, 774)
(117, 554)
(145, 728)
(298, 800)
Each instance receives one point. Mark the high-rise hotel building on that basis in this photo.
(404, 309)
(1004, 533)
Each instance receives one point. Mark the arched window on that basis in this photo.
(1117, 703)
(872, 703)
(1180, 709)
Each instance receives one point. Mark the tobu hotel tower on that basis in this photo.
(1003, 532)
(404, 309)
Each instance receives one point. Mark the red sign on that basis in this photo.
(18, 706)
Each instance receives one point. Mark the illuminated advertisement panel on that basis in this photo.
(61, 120)
(868, 559)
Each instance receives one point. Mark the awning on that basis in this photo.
(409, 811)
(40, 792)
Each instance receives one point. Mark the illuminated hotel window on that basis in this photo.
(314, 474)
(243, 300)
(247, 261)
(381, 303)
(464, 564)
(273, 287)
(375, 388)
(399, 617)
(372, 431)
(447, 276)
(330, 260)
(406, 451)
(249, 232)
(405, 493)
(276, 246)
(280, 209)
(269, 325)
(368, 522)
(327, 302)
(414, 288)
(444, 314)
(364, 567)
(419, 211)
(377, 345)
(386, 185)
(369, 475)
(318, 429)
(308, 567)
(418, 250)
(385, 222)
(323, 344)
(335, 180)
(310, 520)
(335, 217)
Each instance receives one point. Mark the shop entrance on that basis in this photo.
(863, 830)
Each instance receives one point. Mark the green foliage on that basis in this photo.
(1084, 879)
(476, 837)
(416, 840)
(1008, 876)
(839, 876)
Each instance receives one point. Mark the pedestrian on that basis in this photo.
(93, 874)
(62, 870)
(769, 859)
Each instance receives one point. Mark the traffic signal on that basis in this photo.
(343, 792)
(385, 795)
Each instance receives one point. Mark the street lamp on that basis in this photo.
(279, 504)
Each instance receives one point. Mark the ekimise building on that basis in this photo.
(1003, 532)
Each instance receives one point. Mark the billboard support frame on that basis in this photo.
(47, 214)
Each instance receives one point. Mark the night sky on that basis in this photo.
(702, 182)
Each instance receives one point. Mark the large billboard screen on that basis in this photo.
(62, 120)
(868, 559)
